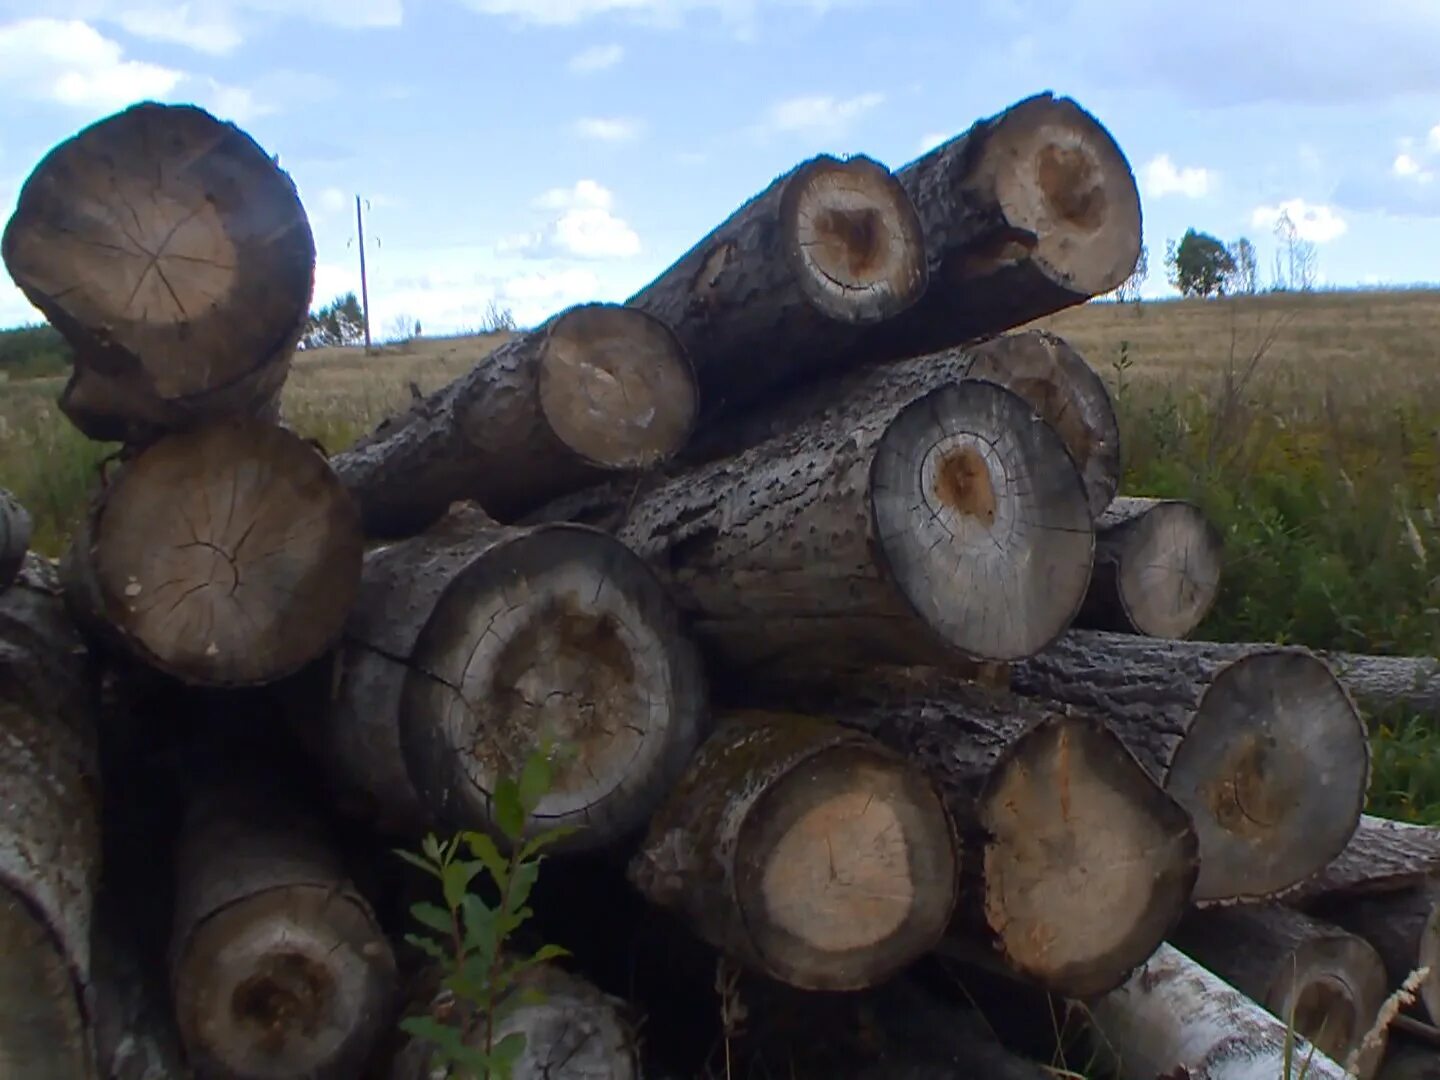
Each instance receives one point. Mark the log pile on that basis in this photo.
(806, 569)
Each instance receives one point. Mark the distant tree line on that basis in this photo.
(29, 352)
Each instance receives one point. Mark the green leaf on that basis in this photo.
(433, 916)
(456, 879)
(534, 780)
(522, 880)
(480, 925)
(415, 860)
(484, 849)
(431, 847)
(549, 952)
(505, 1053)
(546, 838)
(428, 946)
(509, 813)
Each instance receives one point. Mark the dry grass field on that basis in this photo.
(1307, 425)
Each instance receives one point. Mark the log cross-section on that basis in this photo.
(598, 388)
(902, 525)
(176, 259)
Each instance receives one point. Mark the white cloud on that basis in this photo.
(739, 14)
(585, 229)
(195, 26)
(596, 58)
(1317, 224)
(1160, 178)
(1407, 166)
(237, 104)
(1434, 139)
(609, 128)
(73, 64)
(931, 141)
(820, 114)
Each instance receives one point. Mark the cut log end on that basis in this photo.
(1068, 394)
(1163, 565)
(856, 245)
(1061, 178)
(1089, 864)
(289, 981)
(565, 638)
(983, 520)
(616, 386)
(1274, 771)
(169, 249)
(846, 868)
(43, 1031)
(228, 555)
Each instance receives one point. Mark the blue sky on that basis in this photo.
(544, 152)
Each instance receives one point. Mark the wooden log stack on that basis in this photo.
(809, 568)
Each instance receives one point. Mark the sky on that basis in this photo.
(540, 153)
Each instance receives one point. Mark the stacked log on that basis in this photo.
(807, 571)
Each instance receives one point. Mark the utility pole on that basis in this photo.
(364, 286)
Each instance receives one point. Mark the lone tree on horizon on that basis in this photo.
(1200, 265)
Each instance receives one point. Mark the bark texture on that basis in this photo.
(49, 833)
(1382, 856)
(1157, 568)
(784, 287)
(596, 389)
(904, 525)
(1028, 212)
(1075, 864)
(575, 1033)
(807, 852)
(1329, 983)
(1404, 927)
(1380, 684)
(1260, 744)
(224, 556)
(1174, 1018)
(15, 525)
(277, 965)
(175, 257)
(473, 643)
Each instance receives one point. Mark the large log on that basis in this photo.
(573, 1032)
(49, 834)
(277, 965)
(1381, 684)
(1404, 927)
(1042, 369)
(174, 256)
(1330, 984)
(1157, 568)
(1075, 864)
(1410, 1059)
(596, 389)
(15, 526)
(904, 525)
(784, 287)
(226, 555)
(809, 853)
(472, 643)
(1382, 856)
(1173, 1018)
(1028, 212)
(1259, 743)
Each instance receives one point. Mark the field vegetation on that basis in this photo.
(1306, 423)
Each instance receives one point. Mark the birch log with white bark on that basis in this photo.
(1260, 744)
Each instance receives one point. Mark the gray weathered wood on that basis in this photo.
(907, 524)
(1157, 568)
(1260, 744)
(1381, 856)
(1380, 684)
(598, 388)
(175, 257)
(15, 526)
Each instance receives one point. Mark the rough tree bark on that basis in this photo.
(49, 834)
(176, 259)
(227, 555)
(15, 525)
(1382, 856)
(783, 288)
(1075, 864)
(1382, 683)
(1157, 568)
(474, 642)
(1029, 212)
(1260, 744)
(596, 389)
(906, 525)
(1331, 982)
(1042, 369)
(277, 964)
(1174, 1018)
(575, 1033)
(1404, 927)
(809, 853)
